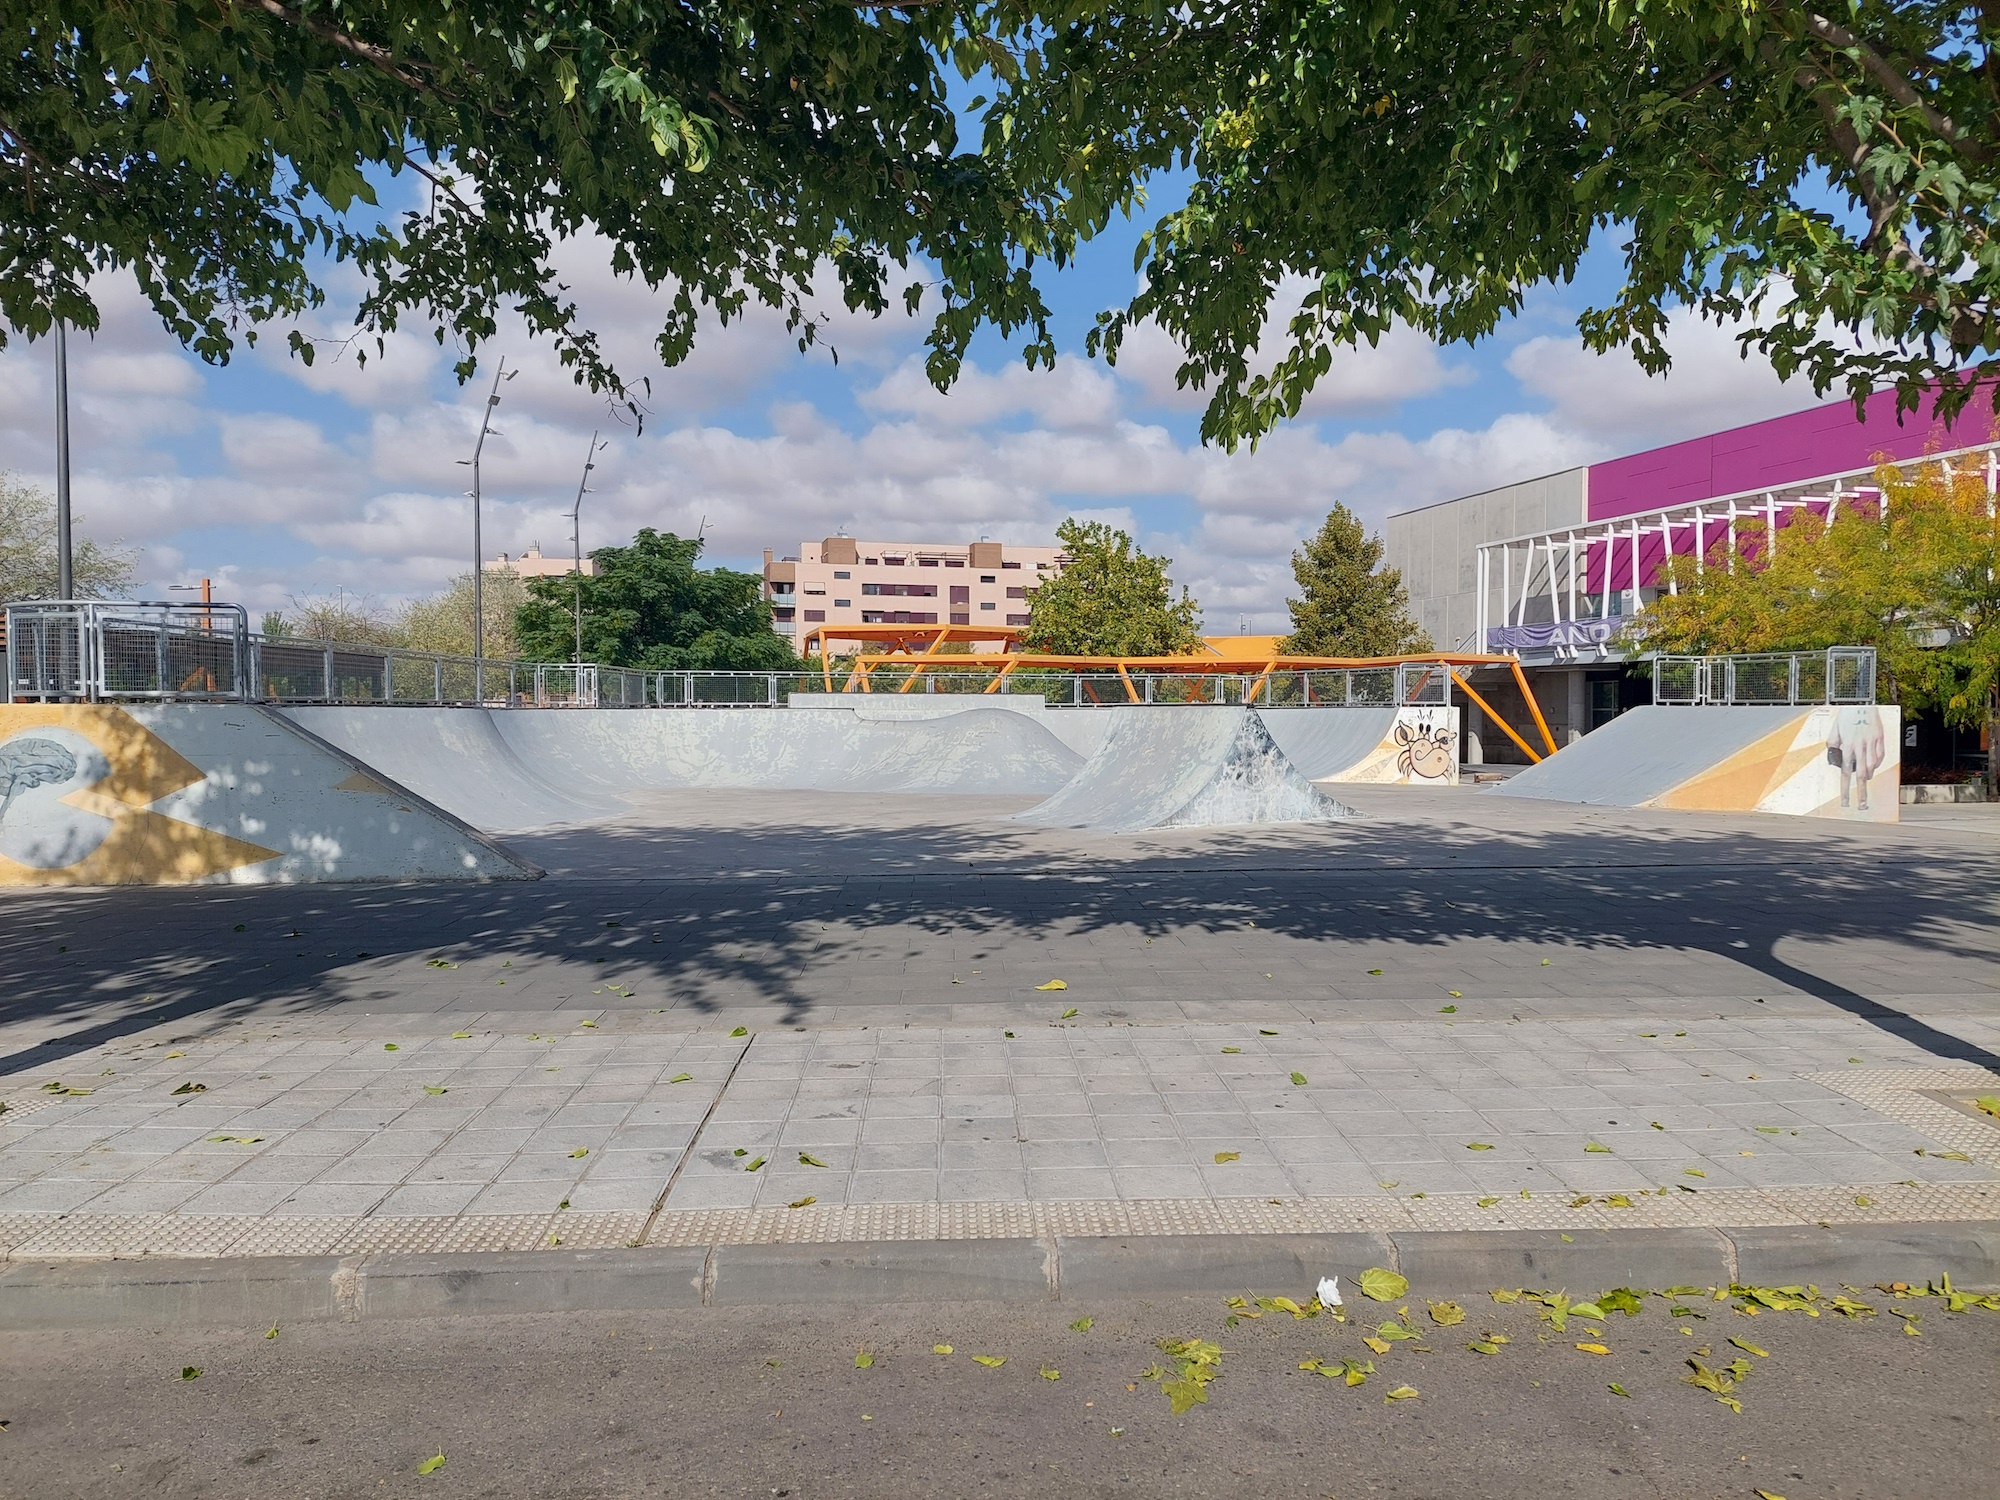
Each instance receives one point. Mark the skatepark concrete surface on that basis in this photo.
(1185, 767)
(1646, 753)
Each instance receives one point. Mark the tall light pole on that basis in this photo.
(478, 547)
(576, 537)
(65, 579)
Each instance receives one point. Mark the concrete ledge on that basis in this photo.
(1787, 1255)
(255, 1292)
(521, 1281)
(888, 1271)
(1181, 1264)
(1465, 1259)
(174, 1293)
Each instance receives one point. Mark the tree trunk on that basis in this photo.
(1993, 745)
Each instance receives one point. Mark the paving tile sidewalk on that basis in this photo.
(311, 1143)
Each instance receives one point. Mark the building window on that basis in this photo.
(871, 588)
(782, 612)
(1017, 593)
(1015, 566)
(892, 562)
(837, 574)
(821, 592)
(961, 593)
(954, 562)
(961, 617)
(815, 616)
(927, 562)
(843, 604)
(1017, 619)
(872, 561)
(989, 605)
(986, 578)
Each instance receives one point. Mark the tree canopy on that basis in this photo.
(1110, 599)
(1828, 176)
(28, 567)
(1915, 579)
(224, 152)
(1348, 605)
(649, 606)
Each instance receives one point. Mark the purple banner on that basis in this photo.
(1561, 633)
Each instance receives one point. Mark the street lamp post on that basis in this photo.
(65, 576)
(576, 537)
(478, 547)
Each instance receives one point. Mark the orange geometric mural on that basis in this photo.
(132, 844)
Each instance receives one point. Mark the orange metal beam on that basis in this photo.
(994, 685)
(1131, 692)
(1508, 729)
(1521, 681)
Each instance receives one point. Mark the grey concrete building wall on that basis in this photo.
(1437, 546)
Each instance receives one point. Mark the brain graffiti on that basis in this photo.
(27, 763)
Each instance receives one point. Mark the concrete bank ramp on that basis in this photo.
(977, 752)
(216, 794)
(1411, 745)
(1185, 767)
(459, 759)
(1841, 762)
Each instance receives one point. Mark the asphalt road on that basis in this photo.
(772, 1403)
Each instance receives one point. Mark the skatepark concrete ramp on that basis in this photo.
(1185, 767)
(516, 769)
(1839, 761)
(210, 793)
(1411, 744)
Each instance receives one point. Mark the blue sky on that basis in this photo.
(281, 481)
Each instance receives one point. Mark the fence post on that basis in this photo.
(326, 668)
(1792, 680)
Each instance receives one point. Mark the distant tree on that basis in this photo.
(443, 622)
(1349, 604)
(1919, 580)
(649, 606)
(1110, 599)
(358, 618)
(28, 550)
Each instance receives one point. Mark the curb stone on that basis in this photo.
(218, 1292)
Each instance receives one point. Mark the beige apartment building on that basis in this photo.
(531, 564)
(847, 581)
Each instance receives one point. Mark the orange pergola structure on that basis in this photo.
(916, 649)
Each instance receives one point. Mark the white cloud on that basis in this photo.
(1074, 394)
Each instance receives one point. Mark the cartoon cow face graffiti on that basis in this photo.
(1425, 754)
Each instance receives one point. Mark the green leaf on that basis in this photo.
(461, 1036)
(1223, 1156)
(1988, 1104)
(190, 1372)
(1299, 1080)
(579, 1151)
(1487, 1202)
(1749, 1348)
(1265, 1031)
(1232, 1050)
(864, 1360)
(1050, 1372)
(1477, 1146)
(186, 1088)
(1054, 984)
(1183, 1394)
(754, 1165)
(1402, 1393)
(1447, 1010)
(741, 1031)
(432, 1464)
(432, 1088)
(681, 1078)
(1594, 1146)
(807, 1159)
(991, 1361)
(1379, 1285)
(1083, 1325)
(1374, 971)
(271, 1332)
(1446, 1314)
(1482, 1346)
(1066, 1015)
(941, 1348)
(1618, 1390)
(806, 1202)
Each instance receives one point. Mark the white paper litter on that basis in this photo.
(1329, 1291)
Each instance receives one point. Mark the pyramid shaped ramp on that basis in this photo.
(212, 793)
(1185, 767)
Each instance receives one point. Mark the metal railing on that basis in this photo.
(1841, 674)
(91, 651)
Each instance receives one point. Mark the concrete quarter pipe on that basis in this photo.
(1411, 745)
(1185, 767)
(1841, 761)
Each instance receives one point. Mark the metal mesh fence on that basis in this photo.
(1843, 674)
